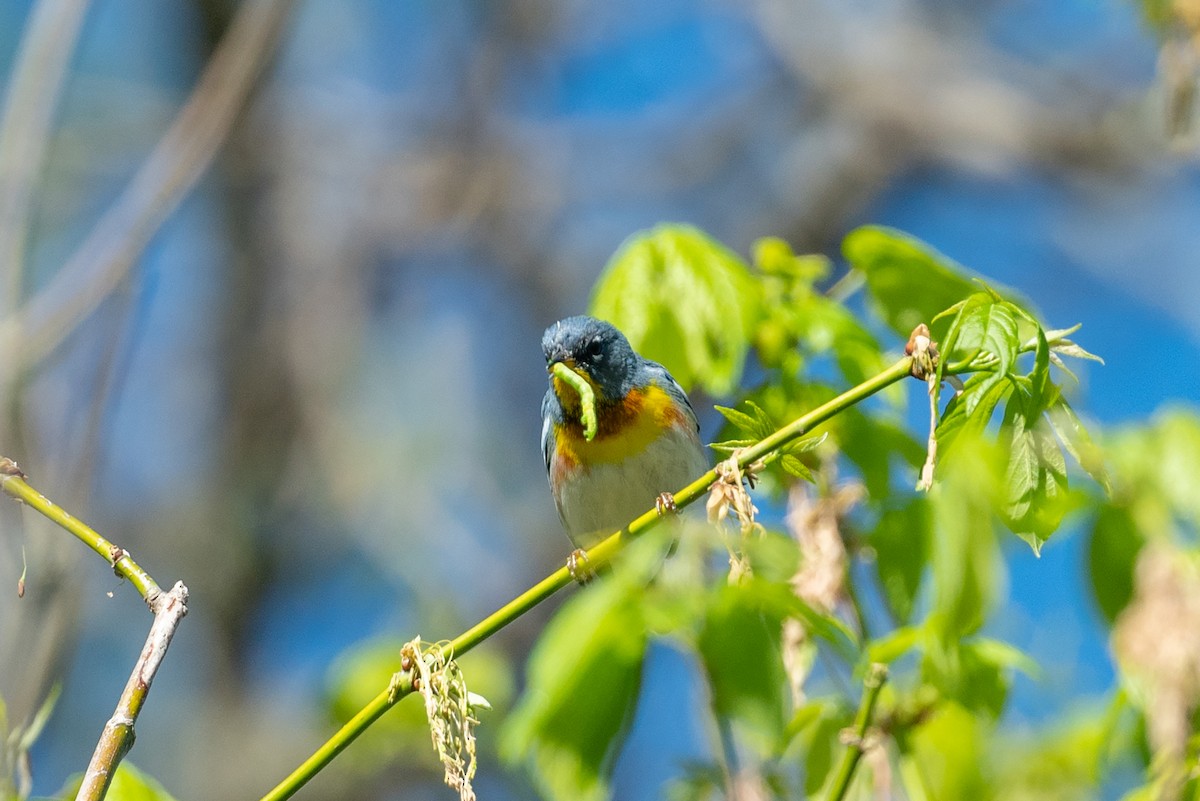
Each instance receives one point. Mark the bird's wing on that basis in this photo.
(549, 407)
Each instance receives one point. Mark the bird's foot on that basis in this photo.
(664, 504)
(579, 566)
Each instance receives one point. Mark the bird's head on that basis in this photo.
(595, 350)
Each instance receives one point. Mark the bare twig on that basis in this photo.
(117, 738)
(168, 608)
(181, 157)
(33, 93)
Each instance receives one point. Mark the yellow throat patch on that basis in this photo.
(624, 428)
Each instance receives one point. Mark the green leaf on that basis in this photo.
(1005, 655)
(1066, 347)
(806, 444)
(1112, 550)
(33, 730)
(1156, 469)
(983, 397)
(894, 644)
(739, 646)
(873, 444)
(826, 326)
(1178, 462)
(1061, 365)
(1041, 389)
(131, 784)
(756, 422)
(985, 326)
(981, 393)
(828, 628)
(822, 749)
(1065, 761)
(806, 716)
(128, 784)
(909, 282)
(951, 751)
(1077, 442)
(730, 445)
(794, 467)
(814, 732)
(778, 599)
(966, 562)
(684, 300)
(1036, 475)
(901, 544)
(1035, 418)
(584, 676)
(982, 685)
(984, 676)
(774, 256)
(774, 557)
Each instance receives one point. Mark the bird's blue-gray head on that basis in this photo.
(597, 350)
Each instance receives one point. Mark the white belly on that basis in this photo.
(608, 496)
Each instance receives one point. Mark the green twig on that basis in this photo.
(598, 555)
(168, 608)
(872, 685)
(12, 482)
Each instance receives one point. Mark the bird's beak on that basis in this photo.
(559, 356)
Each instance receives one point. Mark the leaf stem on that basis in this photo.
(598, 555)
(872, 685)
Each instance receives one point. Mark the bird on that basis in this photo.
(646, 441)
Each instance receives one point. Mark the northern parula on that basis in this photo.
(647, 440)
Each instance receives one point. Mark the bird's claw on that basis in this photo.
(664, 504)
(579, 566)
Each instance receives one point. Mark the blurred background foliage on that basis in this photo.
(274, 275)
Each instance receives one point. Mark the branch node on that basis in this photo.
(863, 742)
(862, 735)
(448, 709)
(160, 601)
(924, 352)
(10, 468)
(396, 688)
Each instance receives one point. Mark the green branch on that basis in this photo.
(872, 685)
(598, 555)
(12, 482)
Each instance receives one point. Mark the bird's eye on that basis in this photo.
(595, 348)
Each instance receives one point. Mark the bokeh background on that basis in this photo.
(274, 276)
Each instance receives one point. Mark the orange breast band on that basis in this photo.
(624, 429)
